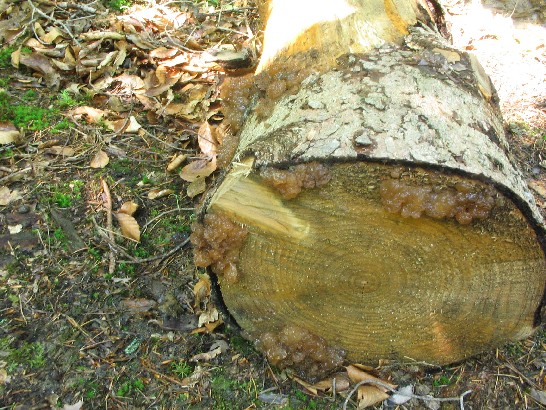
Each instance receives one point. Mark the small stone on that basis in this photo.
(23, 209)
(316, 105)
(422, 390)
(363, 140)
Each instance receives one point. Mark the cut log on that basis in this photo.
(372, 211)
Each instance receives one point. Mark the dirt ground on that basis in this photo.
(92, 319)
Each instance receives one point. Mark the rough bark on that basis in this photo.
(374, 212)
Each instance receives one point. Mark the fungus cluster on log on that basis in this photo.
(371, 208)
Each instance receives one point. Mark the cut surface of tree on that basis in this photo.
(372, 210)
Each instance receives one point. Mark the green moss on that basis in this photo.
(5, 56)
(128, 387)
(29, 354)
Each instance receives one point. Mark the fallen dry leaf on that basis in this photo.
(128, 208)
(217, 348)
(129, 226)
(7, 196)
(208, 316)
(100, 160)
(41, 63)
(90, 114)
(176, 162)
(138, 305)
(201, 290)
(76, 406)
(127, 126)
(369, 396)
(207, 141)
(9, 134)
(61, 151)
(13, 229)
(159, 193)
(198, 169)
(356, 375)
(196, 187)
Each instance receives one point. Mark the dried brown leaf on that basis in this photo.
(7, 196)
(128, 208)
(138, 305)
(100, 160)
(200, 168)
(201, 290)
(369, 396)
(52, 35)
(129, 226)
(159, 193)
(176, 162)
(342, 383)
(9, 134)
(207, 140)
(42, 64)
(90, 114)
(163, 52)
(126, 126)
(357, 375)
(217, 348)
(209, 316)
(61, 151)
(196, 187)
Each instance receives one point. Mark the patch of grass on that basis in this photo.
(181, 369)
(66, 194)
(62, 125)
(30, 117)
(31, 354)
(523, 129)
(126, 268)
(130, 386)
(118, 5)
(443, 380)
(59, 235)
(5, 56)
(4, 81)
(229, 393)
(6, 152)
(62, 200)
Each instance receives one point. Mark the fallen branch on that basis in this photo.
(108, 206)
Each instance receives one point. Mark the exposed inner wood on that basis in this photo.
(376, 284)
(334, 27)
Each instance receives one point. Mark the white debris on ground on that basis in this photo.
(509, 39)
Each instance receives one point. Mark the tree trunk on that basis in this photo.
(371, 210)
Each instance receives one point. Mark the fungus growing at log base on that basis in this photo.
(301, 350)
(291, 181)
(217, 242)
(464, 202)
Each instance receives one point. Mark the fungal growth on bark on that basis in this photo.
(299, 349)
(372, 210)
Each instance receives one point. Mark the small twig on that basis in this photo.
(15, 174)
(410, 395)
(170, 211)
(170, 379)
(54, 20)
(108, 206)
(160, 257)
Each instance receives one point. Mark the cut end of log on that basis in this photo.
(379, 262)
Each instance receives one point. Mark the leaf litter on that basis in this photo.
(137, 92)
